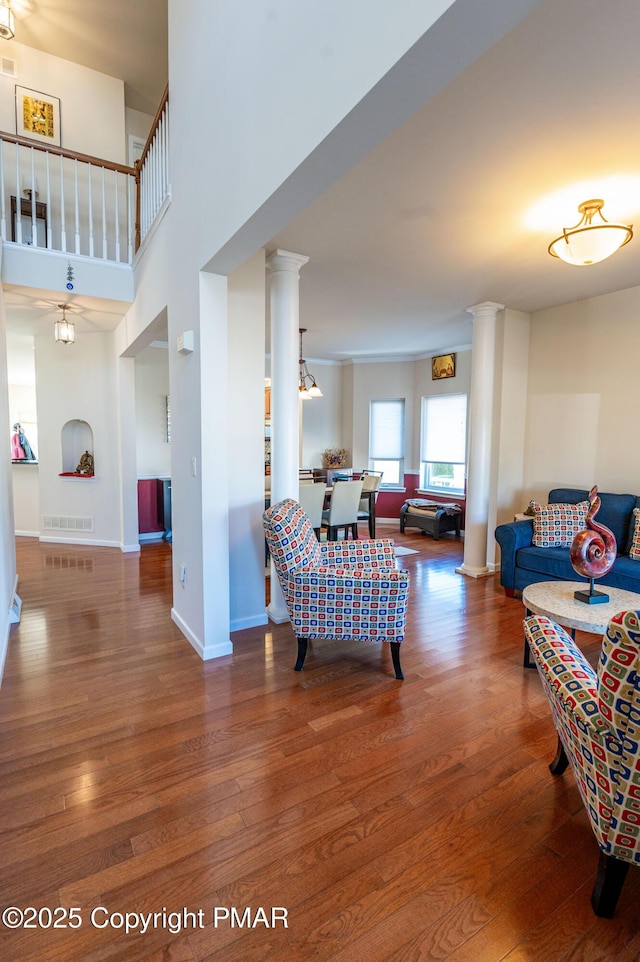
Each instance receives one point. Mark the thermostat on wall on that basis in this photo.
(185, 342)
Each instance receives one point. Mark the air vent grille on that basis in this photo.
(8, 67)
(56, 523)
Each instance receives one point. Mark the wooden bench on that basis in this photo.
(434, 522)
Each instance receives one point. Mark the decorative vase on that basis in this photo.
(593, 552)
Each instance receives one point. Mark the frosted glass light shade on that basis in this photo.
(588, 243)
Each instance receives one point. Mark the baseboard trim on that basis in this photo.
(212, 651)
(255, 621)
(86, 541)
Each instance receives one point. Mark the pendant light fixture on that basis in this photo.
(64, 331)
(306, 392)
(7, 31)
(588, 242)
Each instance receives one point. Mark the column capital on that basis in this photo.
(485, 307)
(285, 261)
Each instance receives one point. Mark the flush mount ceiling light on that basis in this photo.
(7, 31)
(64, 330)
(588, 243)
(306, 392)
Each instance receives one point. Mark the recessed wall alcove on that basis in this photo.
(76, 437)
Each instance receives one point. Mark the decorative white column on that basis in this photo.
(480, 439)
(284, 290)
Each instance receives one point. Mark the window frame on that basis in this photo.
(376, 463)
(425, 481)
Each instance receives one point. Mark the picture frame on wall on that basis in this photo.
(444, 365)
(37, 116)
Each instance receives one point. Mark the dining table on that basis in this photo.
(369, 496)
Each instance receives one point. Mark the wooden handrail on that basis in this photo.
(143, 156)
(154, 127)
(69, 154)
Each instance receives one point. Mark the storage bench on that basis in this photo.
(432, 518)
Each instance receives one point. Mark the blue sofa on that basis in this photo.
(523, 564)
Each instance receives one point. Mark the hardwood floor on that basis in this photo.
(394, 821)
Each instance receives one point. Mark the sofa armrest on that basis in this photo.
(358, 554)
(511, 537)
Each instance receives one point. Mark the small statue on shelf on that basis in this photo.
(21, 450)
(85, 465)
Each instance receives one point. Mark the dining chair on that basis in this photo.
(343, 509)
(371, 481)
(311, 498)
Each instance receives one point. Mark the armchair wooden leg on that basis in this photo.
(302, 652)
(395, 657)
(608, 886)
(560, 762)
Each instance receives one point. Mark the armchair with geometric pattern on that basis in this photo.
(338, 589)
(597, 718)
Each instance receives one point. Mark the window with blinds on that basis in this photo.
(443, 445)
(386, 440)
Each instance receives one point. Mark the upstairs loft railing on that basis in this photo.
(59, 200)
(154, 186)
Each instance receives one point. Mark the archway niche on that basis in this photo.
(76, 438)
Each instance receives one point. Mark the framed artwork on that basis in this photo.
(37, 116)
(444, 365)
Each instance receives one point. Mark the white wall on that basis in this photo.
(79, 382)
(153, 452)
(322, 417)
(582, 419)
(245, 453)
(8, 573)
(425, 386)
(380, 381)
(92, 114)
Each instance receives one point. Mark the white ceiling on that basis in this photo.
(457, 206)
(452, 210)
(122, 38)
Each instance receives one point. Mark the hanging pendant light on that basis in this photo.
(7, 31)
(588, 243)
(64, 331)
(306, 393)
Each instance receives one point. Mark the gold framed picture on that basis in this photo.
(37, 116)
(444, 365)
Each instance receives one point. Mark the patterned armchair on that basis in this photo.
(339, 589)
(597, 717)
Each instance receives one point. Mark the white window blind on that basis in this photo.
(386, 431)
(444, 425)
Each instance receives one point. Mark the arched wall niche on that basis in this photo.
(76, 438)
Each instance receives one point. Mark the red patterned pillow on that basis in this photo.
(634, 551)
(556, 525)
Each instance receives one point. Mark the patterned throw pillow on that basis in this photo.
(555, 525)
(634, 551)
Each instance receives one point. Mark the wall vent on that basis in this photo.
(51, 523)
(8, 67)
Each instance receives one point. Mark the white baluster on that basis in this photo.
(90, 214)
(34, 224)
(104, 218)
(77, 200)
(18, 213)
(63, 232)
(115, 192)
(49, 227)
